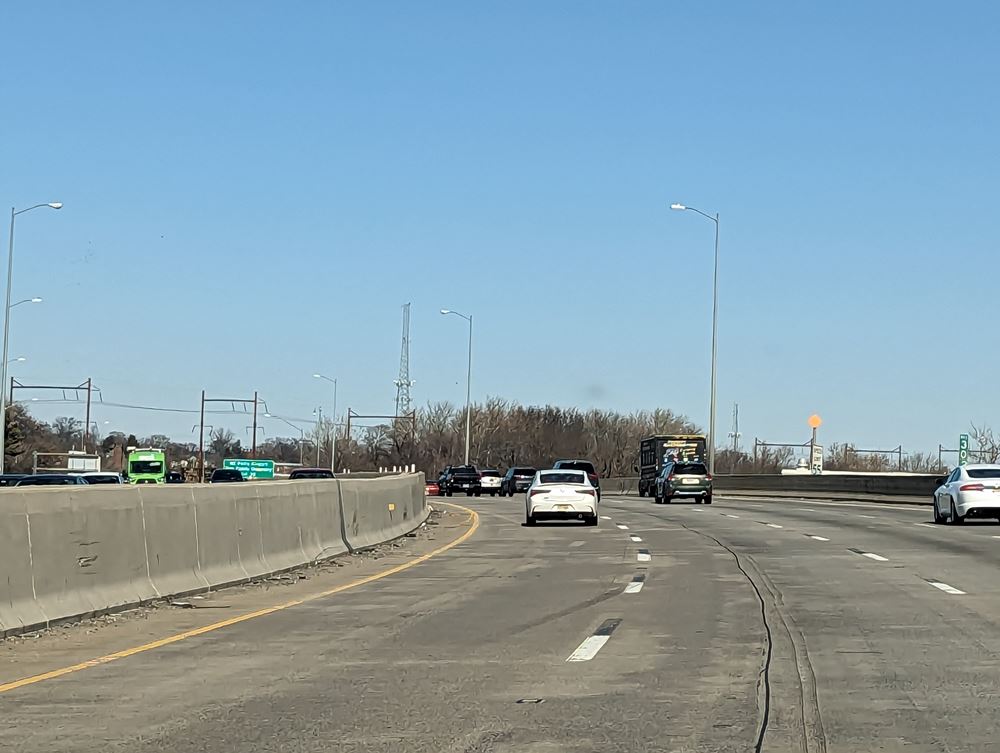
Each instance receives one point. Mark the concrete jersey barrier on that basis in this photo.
(843, 485)
(76, 551)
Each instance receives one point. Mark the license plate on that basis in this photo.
(563, 507)
(689, 481)
(996, 489)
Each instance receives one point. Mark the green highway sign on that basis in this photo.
(251, 469)
(963, 449)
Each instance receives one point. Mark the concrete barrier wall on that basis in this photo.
(840, 484)
(76, 551)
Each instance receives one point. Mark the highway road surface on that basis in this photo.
(747, 625)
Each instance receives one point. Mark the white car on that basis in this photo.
(103, 477)
(565, 495)
(489, 481)
(969, 491)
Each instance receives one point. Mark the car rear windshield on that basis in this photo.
(564, 477)
(51, 481)
(312, 474)
(577, 465)
(524, 472)
(101, 479)
(690, 469)
(983, 472)
(491, 474)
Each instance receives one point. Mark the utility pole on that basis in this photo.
(319, 428)
(253, 441)
(735, 435)
(403, 381)
(201, 440)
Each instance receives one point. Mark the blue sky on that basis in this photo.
(253, 189)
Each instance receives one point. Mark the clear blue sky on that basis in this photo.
(253, 189)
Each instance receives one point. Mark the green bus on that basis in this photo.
(147, 465)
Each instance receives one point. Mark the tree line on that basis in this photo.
(503, 434)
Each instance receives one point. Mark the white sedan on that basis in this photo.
(564, 495)
(969, 491)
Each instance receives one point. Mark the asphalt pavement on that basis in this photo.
(749, 624)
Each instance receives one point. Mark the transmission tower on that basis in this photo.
(403, 382)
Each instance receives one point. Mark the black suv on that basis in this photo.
(225, 476)
(581, 465)
(310, 473)
(459, 478)
(516, 480)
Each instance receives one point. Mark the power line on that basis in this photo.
(130, 406)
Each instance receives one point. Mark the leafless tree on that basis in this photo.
(987, 445)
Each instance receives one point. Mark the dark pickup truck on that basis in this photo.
(460, 478)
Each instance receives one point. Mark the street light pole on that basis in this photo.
(333, 443)
(6, 329)
(715, 330)
(468, 384)
(299, 429)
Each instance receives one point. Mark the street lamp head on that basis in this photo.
(20, 359)
(36, 299)
(317, 376)
(267, 415)
(445, 311)
(678, 206)
(55, 204)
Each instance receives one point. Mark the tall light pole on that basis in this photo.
(299, 429)
(6, 327)
(333, 444)
(468, 384)
(715, 330)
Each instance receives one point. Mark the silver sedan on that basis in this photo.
(969, 491)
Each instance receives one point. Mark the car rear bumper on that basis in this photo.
(978, 504)
(562, 510)
(689, 491)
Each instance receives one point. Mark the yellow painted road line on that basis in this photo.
(125, 653)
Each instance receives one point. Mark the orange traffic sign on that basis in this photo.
(815, 421)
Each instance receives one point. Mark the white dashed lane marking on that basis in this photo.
(643, 555)
(577, 543)
(926, 525)
(605, 517)
(635, 539)
(624, 528)
(869, 555)
(594, 643)
(817, 538)
(636, 585)
(946, 588)
(773, 525)
(730, 516)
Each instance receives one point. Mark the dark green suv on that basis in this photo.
(683, 479)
